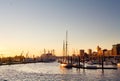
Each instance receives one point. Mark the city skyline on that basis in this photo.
(35, 25)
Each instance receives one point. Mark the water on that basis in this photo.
(53, 72)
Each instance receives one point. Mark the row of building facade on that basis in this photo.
(115, 51)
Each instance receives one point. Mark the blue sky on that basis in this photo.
(32, 25)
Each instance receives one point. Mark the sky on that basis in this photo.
(32, 25)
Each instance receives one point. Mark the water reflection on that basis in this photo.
(103, 72)
(65, 70)
(52, 71)
(78, 70)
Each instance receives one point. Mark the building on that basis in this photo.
(89, 51)
(99, 50)
(108, 53)
(116, 49)
(81, 52)
(48, 57)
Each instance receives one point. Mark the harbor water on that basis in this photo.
(53, 72)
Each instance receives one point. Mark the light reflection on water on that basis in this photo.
(53, 72)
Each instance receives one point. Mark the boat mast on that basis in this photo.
(63, 48)
(66, 43)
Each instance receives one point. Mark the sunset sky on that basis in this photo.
(32, 25)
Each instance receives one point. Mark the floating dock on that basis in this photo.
(99, 68)
(95, 67)
(88, 67)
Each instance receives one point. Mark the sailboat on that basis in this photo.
(65, 62)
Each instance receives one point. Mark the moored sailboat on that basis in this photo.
(65, 62)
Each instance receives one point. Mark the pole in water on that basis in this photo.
(103, 59)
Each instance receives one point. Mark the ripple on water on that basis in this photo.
(52, 72)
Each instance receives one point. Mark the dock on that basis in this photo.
(93, 67)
